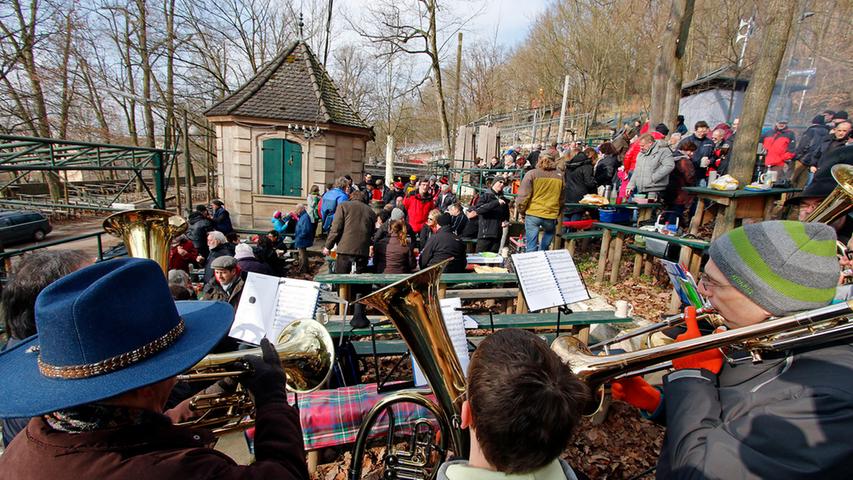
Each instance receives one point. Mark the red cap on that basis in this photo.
(398, 184)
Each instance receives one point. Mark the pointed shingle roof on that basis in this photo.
(288, 88)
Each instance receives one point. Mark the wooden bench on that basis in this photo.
(579, 323)
(346, 281)
(573, 237)
(690, 252)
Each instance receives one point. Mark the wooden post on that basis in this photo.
(696, 221)
(602, 255)
(617, 257)
(638, 264)
(726, 216)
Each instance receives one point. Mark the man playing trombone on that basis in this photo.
(110, 343)
(788, 415)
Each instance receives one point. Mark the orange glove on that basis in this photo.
(637, 392)
(711, 360)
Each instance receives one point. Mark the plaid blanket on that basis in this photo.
(333, 417)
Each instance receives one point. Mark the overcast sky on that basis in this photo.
(511, 19)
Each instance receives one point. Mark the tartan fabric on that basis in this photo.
(333, 417)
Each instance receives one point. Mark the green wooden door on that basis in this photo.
(292, 184)
(282, 168)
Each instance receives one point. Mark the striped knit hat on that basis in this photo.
(782, 266)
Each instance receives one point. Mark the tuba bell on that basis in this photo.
(839, 201)
(147, 233)
(412, 306)
(307, 355)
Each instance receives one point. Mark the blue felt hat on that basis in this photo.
(105, 330)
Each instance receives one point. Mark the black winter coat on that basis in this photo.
(810, 141)
(605, 170)
(443, 244)
(491, 214)
(578, 178)
(199, 227)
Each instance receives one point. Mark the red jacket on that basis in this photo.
(780, 147)
(417, 208)
(634, 150)
(182, 262)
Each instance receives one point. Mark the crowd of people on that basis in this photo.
(94, 349)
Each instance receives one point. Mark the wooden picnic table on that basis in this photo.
(345, 281)
(644, 210)
(689, 256)
(733, 205)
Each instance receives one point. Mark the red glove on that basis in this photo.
(637, 392)
(711, 360)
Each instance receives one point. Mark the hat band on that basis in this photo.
(113, 363)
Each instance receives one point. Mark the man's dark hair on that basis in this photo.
(686, 146)
(356, 196)
(232, 237)
(385, 215)
(34, 272)
(514, 371)
(607, 148)
(201, 209)
(700, 124)
(680, 118)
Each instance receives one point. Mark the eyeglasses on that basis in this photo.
(710, 283)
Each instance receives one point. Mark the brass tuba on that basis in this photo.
(412, 305)
(801, 330)
(307, 354)
(147, 233)
(839, 200)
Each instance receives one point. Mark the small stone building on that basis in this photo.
(285, 130)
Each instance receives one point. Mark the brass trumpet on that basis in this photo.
(307, 354)
(801, 330)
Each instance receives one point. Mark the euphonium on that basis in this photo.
(412, 305)
(800, 330)
(307, 354)
(147, 233)
(839, 200)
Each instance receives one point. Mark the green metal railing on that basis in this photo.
(22, 155)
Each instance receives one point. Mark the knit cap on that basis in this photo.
(396, 214)
(782, 266)
(243, 250)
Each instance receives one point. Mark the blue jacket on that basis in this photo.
(331, 199)
(222, 221)
(278, 224)
(304, 231)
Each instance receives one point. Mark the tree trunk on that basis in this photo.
(773, 41)
(436, 72)
(145, 64)
(668, 68)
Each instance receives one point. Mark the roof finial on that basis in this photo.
(301, 24)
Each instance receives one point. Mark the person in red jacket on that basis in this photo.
(780, 146)
(659, 133)
(182, 254)
(418, 206)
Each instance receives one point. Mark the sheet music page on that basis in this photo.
(257, 306)
(295, 300)
(537, 280)
(454, 321)
(568, 278)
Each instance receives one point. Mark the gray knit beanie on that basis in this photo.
(396, 214)
(782, 266)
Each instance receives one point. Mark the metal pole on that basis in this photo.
(187, 164)
(563, 110)
(389, 161)
(159, 180)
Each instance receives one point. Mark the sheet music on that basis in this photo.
(455, 323)
(568, 278)
(268, 304)
(537, 280)
(549, 279)
(296, 300)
